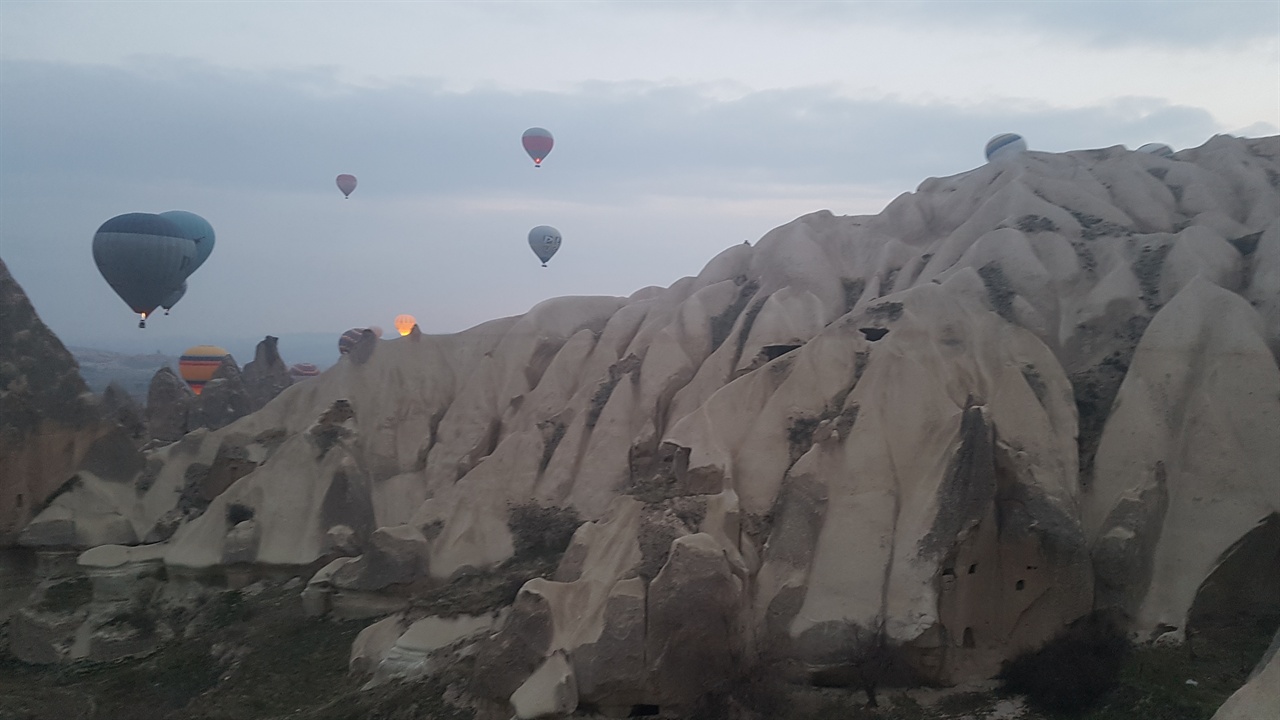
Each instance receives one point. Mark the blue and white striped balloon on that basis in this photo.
(1005, 145)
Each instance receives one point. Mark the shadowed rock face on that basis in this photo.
(916, 442)
(266, 375)
(170, 405)
(225, 397)
(49, 421)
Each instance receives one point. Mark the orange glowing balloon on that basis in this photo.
(405, 323)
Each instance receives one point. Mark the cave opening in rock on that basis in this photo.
(773, 352)
(1020, 584)
(873, 333)
(973, 568)
(968, 638)
(644, 711)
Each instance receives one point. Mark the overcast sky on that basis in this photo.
(681, 128)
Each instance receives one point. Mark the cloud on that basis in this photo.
(1102, 23)
(294, 131)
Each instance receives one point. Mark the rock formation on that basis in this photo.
(266, 375)
(170, 404)
(910, 444)
(225, 398)
(50, 424)
(119, 407)
(173, 410)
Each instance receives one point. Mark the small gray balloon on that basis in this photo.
(544, 240)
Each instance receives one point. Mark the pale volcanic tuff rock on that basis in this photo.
(913, 441)
(1190, 456)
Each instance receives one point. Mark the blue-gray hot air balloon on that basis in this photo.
(174, 297)
(143, 257)
(1157, 149)
(545, 241)
(197, 230)
(1004, 146)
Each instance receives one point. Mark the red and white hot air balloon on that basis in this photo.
(538, 143)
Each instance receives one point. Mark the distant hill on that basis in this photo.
(132, 372)
(99, 367)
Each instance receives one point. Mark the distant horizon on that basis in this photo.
(320, 349)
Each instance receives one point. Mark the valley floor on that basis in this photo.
(261, 657)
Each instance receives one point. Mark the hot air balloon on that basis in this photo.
(174, 297)
(143, 257)
(537, 142)
(347, 184)
(197, 230)
(302, 371)
(545, 241)
(404, 324)
(198, 364)
(1005, 146)
(1157, 149)
(350, 338)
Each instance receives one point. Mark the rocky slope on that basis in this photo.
(50, 424)
(912, 444)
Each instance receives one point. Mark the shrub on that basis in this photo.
(229, 608)
(541, 531)
(68, 595)
(1072, 671)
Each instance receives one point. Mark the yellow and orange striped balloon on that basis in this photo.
(199, 363)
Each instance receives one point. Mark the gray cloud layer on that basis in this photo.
(1103, 23)
(283, 131)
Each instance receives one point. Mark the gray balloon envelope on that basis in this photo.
(197, 230)
(1005, 145)
(143, 257)
(545, 241)
(174, 297)
(1157, 149)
